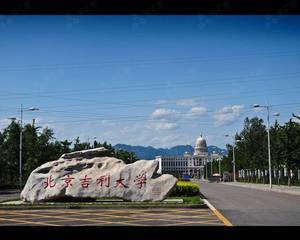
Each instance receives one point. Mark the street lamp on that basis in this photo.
(268, 128)
(233, 154)
(21, 135)
(219, 165)
(206, 168)
(211, 167)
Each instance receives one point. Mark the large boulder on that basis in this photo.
(90, 174)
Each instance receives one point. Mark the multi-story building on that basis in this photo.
(188, 164)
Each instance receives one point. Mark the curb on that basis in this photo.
(217, 213)
(99, 207)
(264, 189)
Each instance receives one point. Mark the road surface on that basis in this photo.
(9, 194)
(251, 207)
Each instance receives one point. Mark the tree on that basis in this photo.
(65, 146)
(40, 146)
(78, 146)
(30, 149)
(3, 168)
(253, 145)
(10, 153)
(290, 146)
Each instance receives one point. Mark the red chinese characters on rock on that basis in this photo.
(68, 180)
(119, 183)
(140, 180)
(85, 182)
(104, 181)
(49, 182)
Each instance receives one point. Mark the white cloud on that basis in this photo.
(187, 102)
(161, 102)
(162, 125)
(107, 122)
(162, 113)
(166, 141)
(296, 120)
(4, 123)
(228, 114)
(258, 109)
(196, 111)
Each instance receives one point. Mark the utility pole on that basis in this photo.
(206, 169)
(21, 142)
(233, 154)
(20, 158)
(269, 145)
(233, 161)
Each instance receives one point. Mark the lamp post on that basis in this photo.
(211, 167)
(233, 154)
(269, 145)
(21, 136)
(206, 168)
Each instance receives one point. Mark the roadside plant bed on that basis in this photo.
(185, 189)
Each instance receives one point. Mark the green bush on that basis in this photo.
(184, 179)
(185, 189)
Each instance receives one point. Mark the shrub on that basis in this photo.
(185, 189)
(184, 179)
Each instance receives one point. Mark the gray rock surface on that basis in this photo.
(95, 152)
(87, 174)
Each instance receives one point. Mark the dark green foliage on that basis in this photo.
(39, 147)
(252, 151)
(183, 179)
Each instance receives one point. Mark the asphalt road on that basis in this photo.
(9, 194)
(251, 207)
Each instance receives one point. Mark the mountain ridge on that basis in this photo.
(150, 152)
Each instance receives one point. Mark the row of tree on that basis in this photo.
(251, 149)
(40, 146)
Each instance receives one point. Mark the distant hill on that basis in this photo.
(150, 152)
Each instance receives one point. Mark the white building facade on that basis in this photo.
(189, 164)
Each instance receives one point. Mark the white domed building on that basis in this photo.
(188, 164)
(201, 147)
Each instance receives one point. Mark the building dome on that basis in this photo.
(200, 146)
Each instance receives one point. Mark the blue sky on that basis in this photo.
(148, 80)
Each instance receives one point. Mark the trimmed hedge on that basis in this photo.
(185, 189)
(184, 179)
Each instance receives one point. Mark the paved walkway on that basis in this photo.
(110, 217)
(295, 190)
